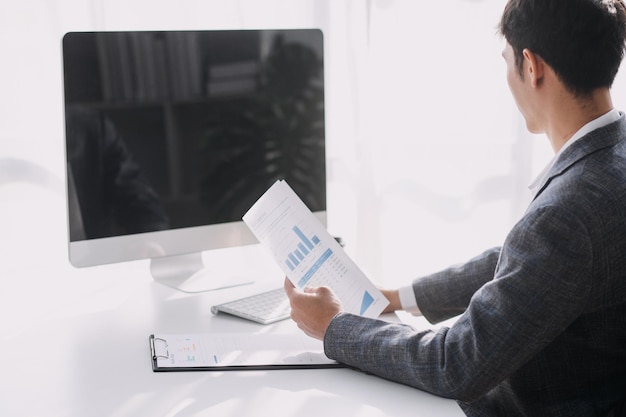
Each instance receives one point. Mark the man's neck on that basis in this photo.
(571, 113)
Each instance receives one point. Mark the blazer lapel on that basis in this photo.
(596, 140)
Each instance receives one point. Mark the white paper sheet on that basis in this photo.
(307, 253)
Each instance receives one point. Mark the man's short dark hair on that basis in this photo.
(582, 40)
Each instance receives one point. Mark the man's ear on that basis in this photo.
(534, 67)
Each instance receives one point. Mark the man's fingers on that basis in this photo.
(290, 289)
(323, 290)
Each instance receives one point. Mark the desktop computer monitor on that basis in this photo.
(171, 136)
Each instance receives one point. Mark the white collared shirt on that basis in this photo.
(407, 296)
(407, 300)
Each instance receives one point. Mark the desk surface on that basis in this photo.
(74, 342)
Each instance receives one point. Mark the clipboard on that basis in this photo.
(236, 351)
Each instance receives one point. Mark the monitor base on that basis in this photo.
(187, 273)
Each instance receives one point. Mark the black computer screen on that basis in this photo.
(176, 129)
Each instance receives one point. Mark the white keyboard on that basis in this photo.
(265, 308)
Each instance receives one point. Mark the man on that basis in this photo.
(542, 325)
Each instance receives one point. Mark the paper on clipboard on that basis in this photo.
(307, 253)
(233, 351)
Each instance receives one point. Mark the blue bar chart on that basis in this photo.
(303, 248)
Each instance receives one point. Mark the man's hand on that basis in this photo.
(313, 308)
(394, 300)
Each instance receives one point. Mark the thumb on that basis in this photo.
(290, 289)
(324, 291)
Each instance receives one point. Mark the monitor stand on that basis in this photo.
(188, 273)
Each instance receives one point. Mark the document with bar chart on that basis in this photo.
(307, 253)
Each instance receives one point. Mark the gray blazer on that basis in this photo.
(542, 330)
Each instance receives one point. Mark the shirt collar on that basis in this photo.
(606, 119)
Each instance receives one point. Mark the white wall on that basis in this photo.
(428, 158)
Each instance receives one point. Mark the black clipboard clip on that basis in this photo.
(159, 348)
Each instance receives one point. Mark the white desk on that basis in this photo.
(75, 344)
